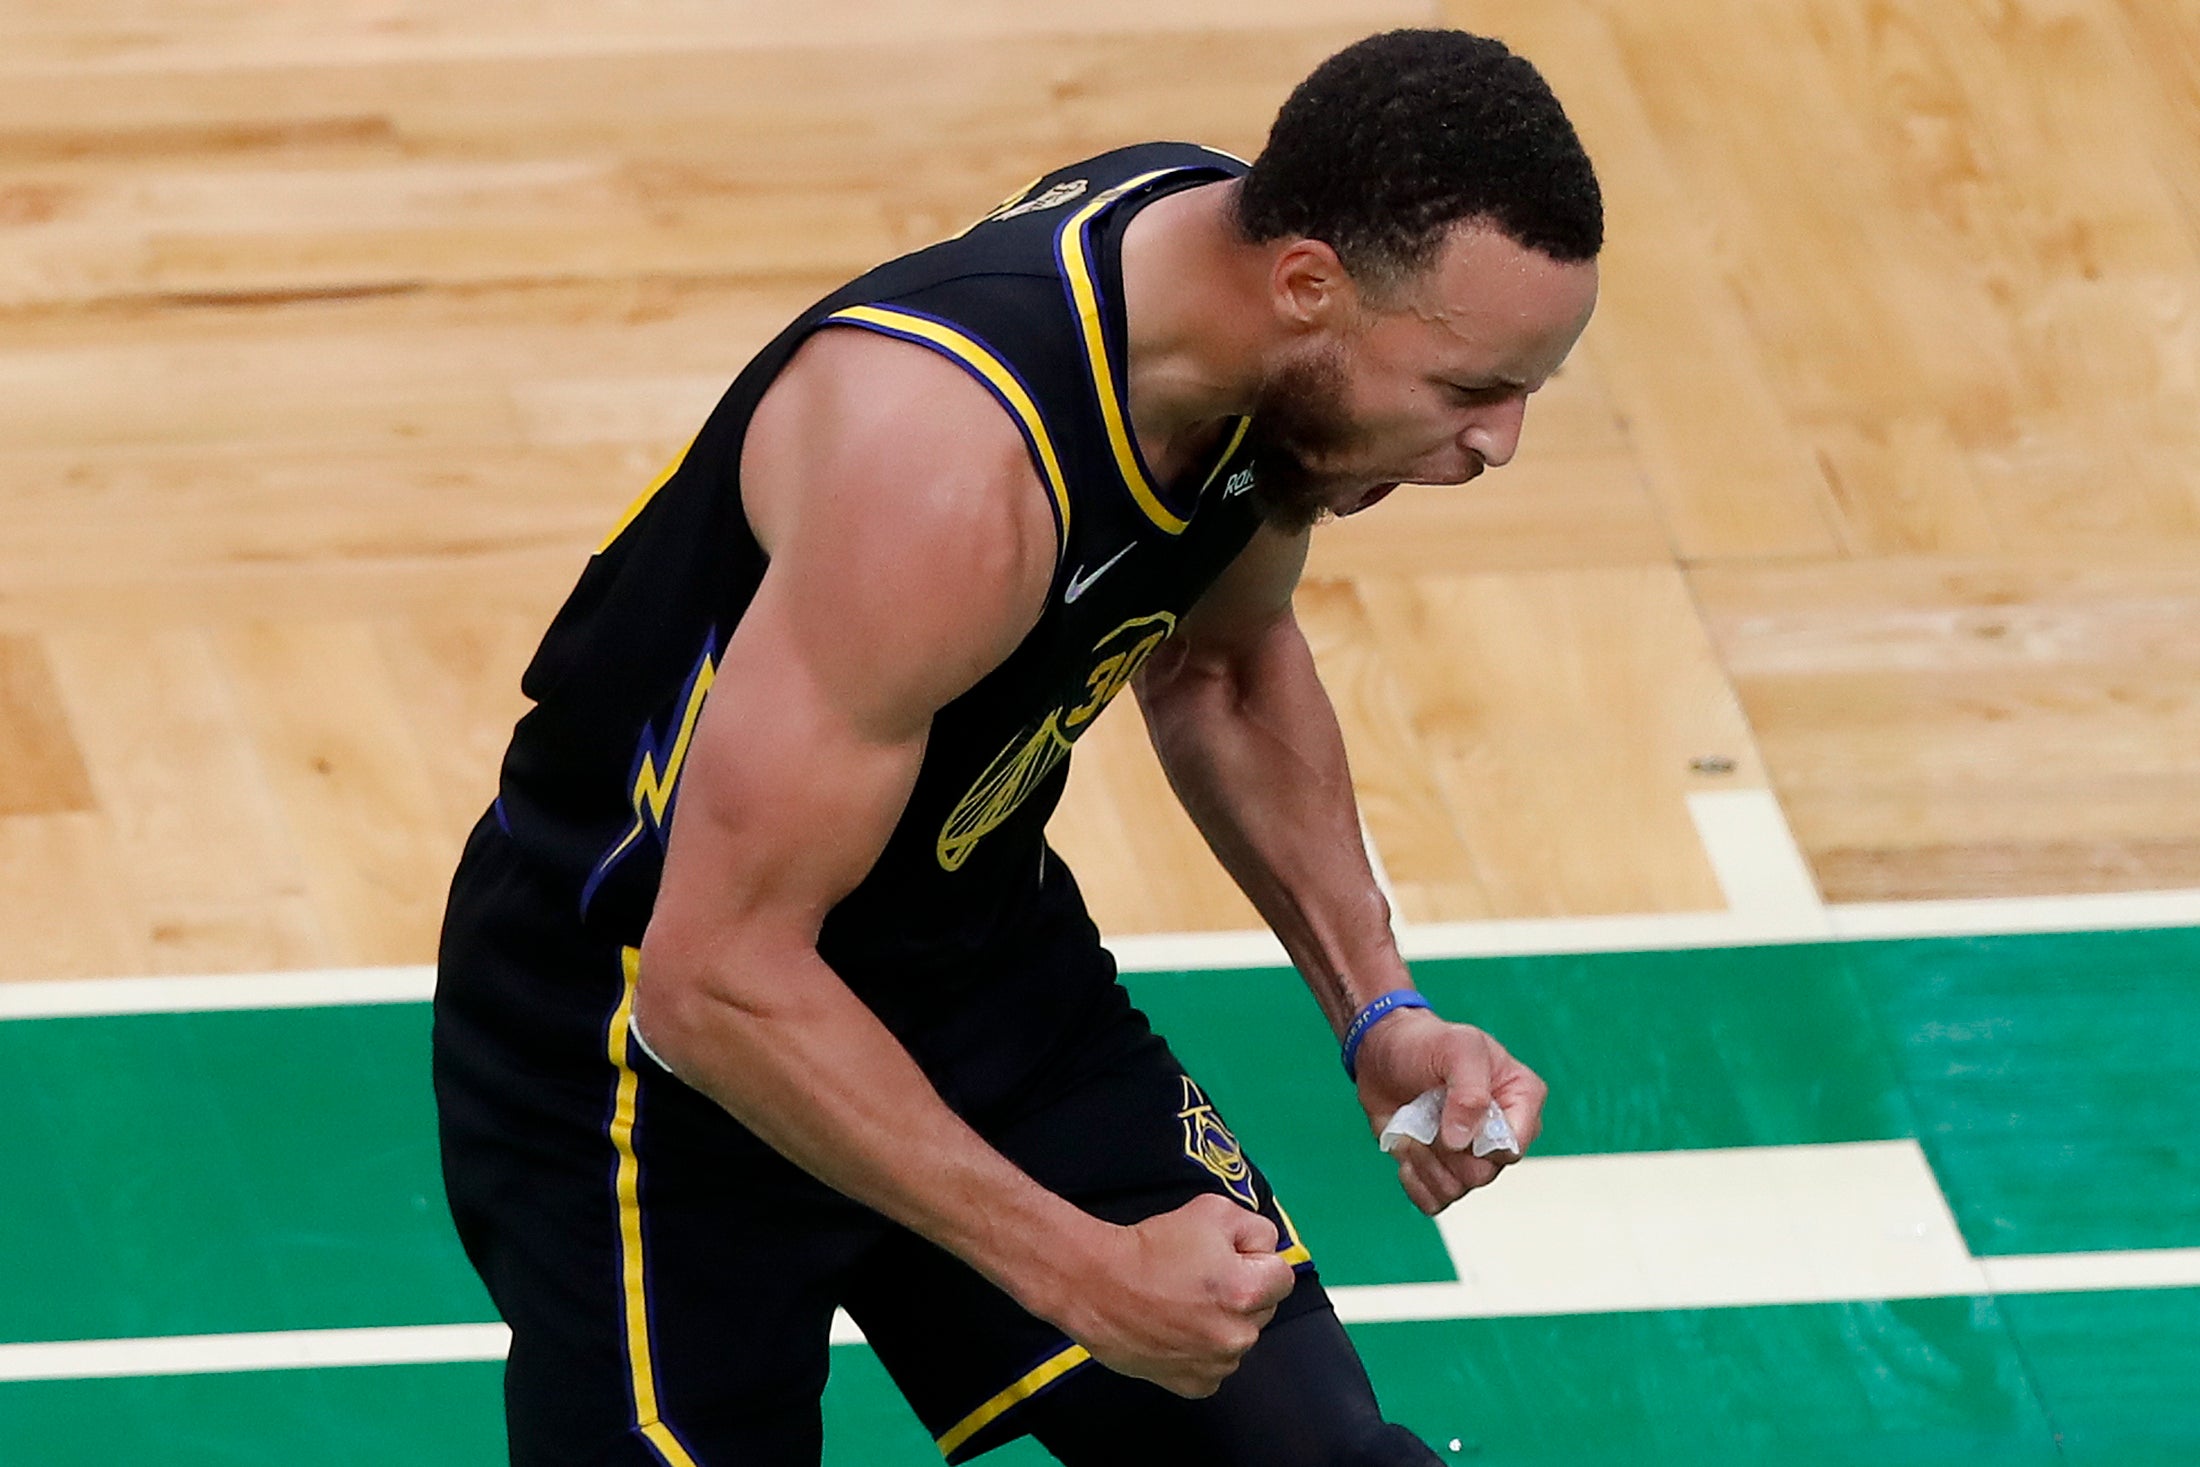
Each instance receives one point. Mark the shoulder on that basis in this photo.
(1119, 164)
(908, 533)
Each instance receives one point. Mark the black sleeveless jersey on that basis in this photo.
(1028, 302)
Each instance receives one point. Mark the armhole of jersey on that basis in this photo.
(995, 375)
(641, 501)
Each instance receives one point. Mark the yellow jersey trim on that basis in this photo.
(1077, 271)
(988, 369)
(1237, 436)
(627, 1183)
(1297, 1253)
(1053, 1368)
(634, 510)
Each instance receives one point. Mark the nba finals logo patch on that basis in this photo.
(1053, 198)
(1209, 1142)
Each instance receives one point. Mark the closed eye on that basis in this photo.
(1482, 395)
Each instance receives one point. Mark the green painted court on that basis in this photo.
(248, 1171)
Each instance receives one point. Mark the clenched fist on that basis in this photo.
(1179, 1298)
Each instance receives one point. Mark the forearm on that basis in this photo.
(817, 1077)
(1251, 746)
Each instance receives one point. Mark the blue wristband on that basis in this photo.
(1364, 1020)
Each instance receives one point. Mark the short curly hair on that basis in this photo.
(1398, 137)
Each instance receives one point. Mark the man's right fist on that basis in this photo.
(1179, 1298)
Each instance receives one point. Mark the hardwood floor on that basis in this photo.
(333, 336)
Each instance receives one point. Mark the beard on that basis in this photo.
(1299, 420)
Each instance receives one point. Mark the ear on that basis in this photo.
(1308, 285)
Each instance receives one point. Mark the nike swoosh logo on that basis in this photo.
(1079, 582)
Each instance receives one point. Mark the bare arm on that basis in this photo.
(911, 550)
(1251, 746)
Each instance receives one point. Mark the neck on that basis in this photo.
(1191, 298)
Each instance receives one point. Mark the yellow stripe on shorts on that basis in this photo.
(1038, 1378)
(627, 1183)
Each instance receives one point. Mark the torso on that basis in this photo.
(1027, 302)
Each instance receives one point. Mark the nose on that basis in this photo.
(1494, 433)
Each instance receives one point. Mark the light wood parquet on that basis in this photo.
(333, 335)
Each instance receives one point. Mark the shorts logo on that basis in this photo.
(1209, 1142)
(1023, 766)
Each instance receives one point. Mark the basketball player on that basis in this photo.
(760, 990)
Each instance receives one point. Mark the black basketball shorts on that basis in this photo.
(671, 1282)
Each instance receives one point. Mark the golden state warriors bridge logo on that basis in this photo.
(1024, 765)
(1209, 1142)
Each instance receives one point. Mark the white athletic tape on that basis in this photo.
(1418, 1119)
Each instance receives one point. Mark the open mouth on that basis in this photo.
(1370, 499)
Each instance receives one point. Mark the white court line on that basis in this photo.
(328, 987)
(1760, 868)
(1709, 1228)
(2066, 1273)
(1745, 836)
(1380, 872)
(1771, 900)
(1738, 1228)
(2112, 911)
(2075, 1273)
(308, 1349)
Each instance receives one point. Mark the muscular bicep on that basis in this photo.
(910, 551)
(792, 786)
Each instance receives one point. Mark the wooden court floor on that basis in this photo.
(332, 336)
